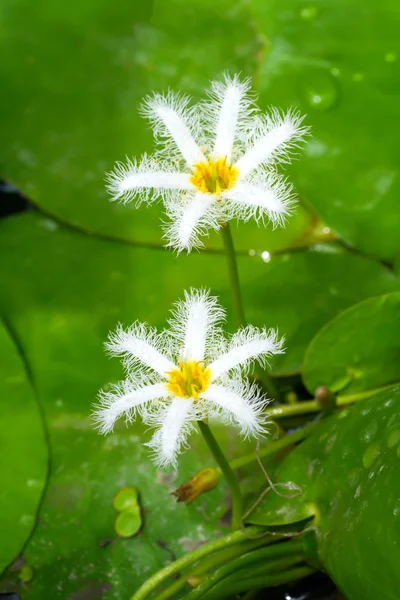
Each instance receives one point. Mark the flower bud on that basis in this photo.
(204, 481)
(325, 399)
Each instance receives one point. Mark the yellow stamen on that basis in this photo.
(190, 380)
(214, 176)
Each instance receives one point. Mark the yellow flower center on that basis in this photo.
(214, 176)
(190, 380)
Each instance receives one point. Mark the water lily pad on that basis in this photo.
(128, 522)
(358, 350)
(349, 475)
(339, 64)
(24, 451)
(125, 498)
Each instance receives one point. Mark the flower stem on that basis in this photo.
(233, 275)
(234, 586)
(272, 558)
(226, 470)
(312, 406)
(188, 559)
(237, 299)
(217, 559)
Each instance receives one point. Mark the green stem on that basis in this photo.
(274, 447)
(226, 589)
(191, 557)
(312, 406)
(273, 557)
(226, 470)
(233, 275)
(215, 560)
(238, 304)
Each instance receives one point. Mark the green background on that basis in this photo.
(74, 75)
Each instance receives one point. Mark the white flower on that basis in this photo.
(215, 162)
(188, 373)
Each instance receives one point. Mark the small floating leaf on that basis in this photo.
(26, 573)
(125, 498)
(128, 522)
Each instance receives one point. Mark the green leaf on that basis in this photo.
(300, 292)
(24, 453)
(358, 350)
(349, 474)
(125, 498)
(338, 63)
(128, 522)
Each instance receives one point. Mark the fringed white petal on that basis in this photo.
(195, 324)
(145, 181)
(238, 404)
(124, 399)
(247, 344)
(191, 219)
(172, 119)
(169, 439)
(269, 198)
(140, 345)
(276, 137)
(229, 104)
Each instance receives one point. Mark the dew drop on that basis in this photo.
(357, 77)
(320, 92)
(370, 455)
(393, 438)
(309, 12)
(391, 57)
(354, 477)
(370, 432)
(266, 256)
(396, 509)
(335, 71)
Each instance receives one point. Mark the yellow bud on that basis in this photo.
(204, 481)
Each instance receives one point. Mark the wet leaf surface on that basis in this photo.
(358, 350)
(349, 473)
(23, 449)
(339, 63)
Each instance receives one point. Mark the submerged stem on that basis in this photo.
(227, 472)
(191, 557)
(280, 556)
(237, 301)
(217, 559)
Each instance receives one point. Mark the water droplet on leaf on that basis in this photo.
(357, 77)
(391, 57)
(266, 256)
(309, 12)
(393, 438)
(370, 455)
(320, 91)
